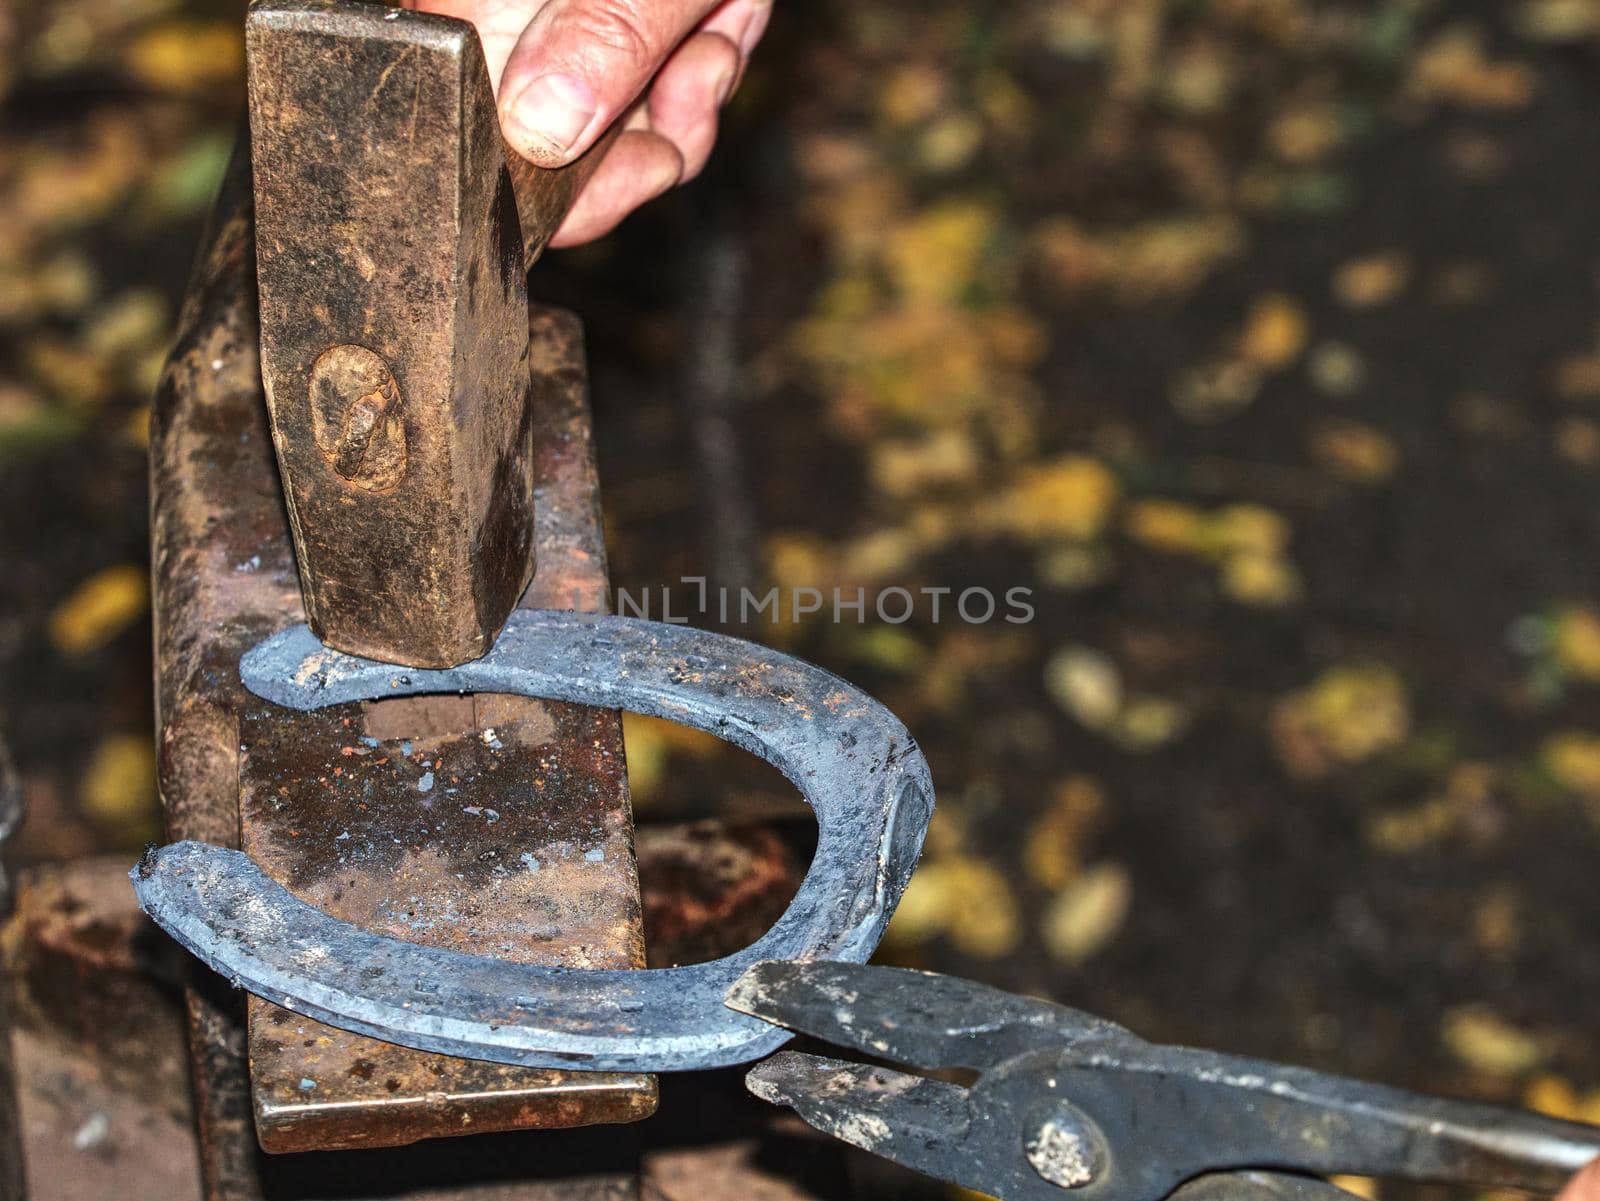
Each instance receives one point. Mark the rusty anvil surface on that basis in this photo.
(105, 1111)
(356, 827)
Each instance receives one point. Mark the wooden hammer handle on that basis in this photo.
(545, 195)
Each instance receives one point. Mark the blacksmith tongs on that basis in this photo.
(1066, 1103)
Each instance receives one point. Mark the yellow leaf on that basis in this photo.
(963, 899)
(1148, 722)
(1275, 332)
(188, 56)
(1055, 846)
(119, 785)
(127, 324)
(1376, 279)
(1086, 684)
(1554, 1096)
(1576, 643)
(1578, 378)
(1400, 831)
(1559, 20)
(1086, 916)
(1167, 525)
(935, 256)
(1306, 134)
(1455, 68)
(1557, 1097)
(950, 142)
(799, 561)
(1578, 441)
(101, 608)
(1336, 369)
(1573, 758)
(1216, 390)
(1346, 716)
(888, 647)
(1263, 581)
(912, 92)
(1071, 498)
(1483, 1040)
(1355, 452)
(903, 467)
(1248, 529)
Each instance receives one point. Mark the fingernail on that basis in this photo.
(757, 26)
(552, 113)
(724, 87)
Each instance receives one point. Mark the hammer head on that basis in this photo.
(394, 326)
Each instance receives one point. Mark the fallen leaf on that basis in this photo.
(1483, 1040)
(1337, 370)
(101, 607)
(1267, 581)
(1215, 391)
(1575, 642)
(119, 784)
(1275, 332)
(1455, 68)
(962, 898)
(1557, 1097)
(1148, 722)
(1071, 497)
(1086, 915)
(1346, 716)
(1558, 20)
(1577, 441)
(1572, 757)
(1355, 452)
(1373, 280)
(1053, 853)
(1085, 683)
(188, 56)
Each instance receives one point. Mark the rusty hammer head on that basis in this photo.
(391, 261)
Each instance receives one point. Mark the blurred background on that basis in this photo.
(1259, 339)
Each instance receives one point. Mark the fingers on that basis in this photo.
(579, 64)
(1585, 1186)
(742, 22)
(499, 24)
(639, 166)
(688, 94)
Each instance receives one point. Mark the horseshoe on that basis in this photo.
(852, 760)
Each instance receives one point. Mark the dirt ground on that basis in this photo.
(1259, 340)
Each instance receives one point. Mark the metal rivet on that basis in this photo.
(1065, 1148)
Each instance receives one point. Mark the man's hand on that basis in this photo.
(1585, 1186)
(564, 70)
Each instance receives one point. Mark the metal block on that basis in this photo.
(225, 578)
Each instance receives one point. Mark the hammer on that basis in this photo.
(394, 232)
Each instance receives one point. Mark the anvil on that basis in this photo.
(388, 232)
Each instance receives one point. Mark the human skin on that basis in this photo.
(1585, 1186)
(565, 70)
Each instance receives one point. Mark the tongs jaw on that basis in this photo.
(1067, 1101)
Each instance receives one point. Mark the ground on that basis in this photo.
(1258, 340)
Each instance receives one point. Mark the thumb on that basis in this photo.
(580, 64)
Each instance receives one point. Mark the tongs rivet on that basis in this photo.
(1066, 1148)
